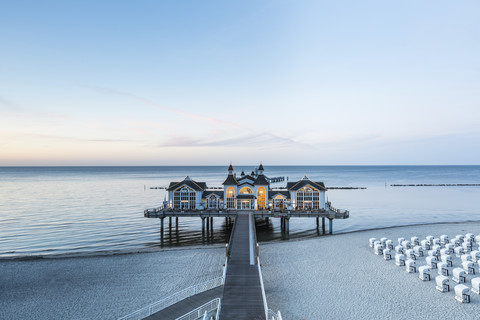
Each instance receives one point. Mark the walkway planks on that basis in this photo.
(185, 306)
(242, 292)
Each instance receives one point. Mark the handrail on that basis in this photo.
(174, 298)
(200, 311)
(264, 297)
(269, 313)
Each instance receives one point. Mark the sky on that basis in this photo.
(214, 82)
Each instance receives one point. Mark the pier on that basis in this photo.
(244, 199)
(242, 293)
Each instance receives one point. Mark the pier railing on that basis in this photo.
(174, 298)
(330, 210)
(203, 311)
(269, 313)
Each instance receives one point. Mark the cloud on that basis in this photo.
(9, 105)
(190, 115)
(264, 140)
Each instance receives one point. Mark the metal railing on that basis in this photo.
(264, 297)
(174, 298)
(202, 311)
(271, 315)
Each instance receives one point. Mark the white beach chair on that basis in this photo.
(410, 266)
(468, 267)
(459, 251)
(430, 240)
(460, 238)
(399, 249)
(477, 239)
(444, 251)
(475, 255)
(447, 259)
(436, 242)
(450, 247)
(462, 293)
(476, 285)
(371, 242)
(414, 240)
(437, 247)
(455, 242)
(378, 249)
(418, 251)
(424, 273)
(442, 269)
(459, 275)
(442, 284)
(389, 244)
(425, 244)
(387, 254)
(466, 257)
(400, 240)
(410, 254)
(432, 262)
(467, 246)
(382, 241)
(434, 253)
(407, 244)
(470, 237)
(399, 259)
(444, 239)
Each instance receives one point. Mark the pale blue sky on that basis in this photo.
(209, 82)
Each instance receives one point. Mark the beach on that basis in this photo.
(339, 277)
(101, 287)
(330, 277)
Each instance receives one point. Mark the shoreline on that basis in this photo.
(208, 246)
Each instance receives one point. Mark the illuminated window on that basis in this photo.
(308, 199)
(230, 198)
(184, 198)
(279, 202)
(245, 190)
(261, 194)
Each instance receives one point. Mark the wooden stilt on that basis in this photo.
(323, 225)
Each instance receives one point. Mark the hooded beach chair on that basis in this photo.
(462, 293)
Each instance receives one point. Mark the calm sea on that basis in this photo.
(63, 210)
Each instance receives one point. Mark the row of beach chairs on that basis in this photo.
(439, 254)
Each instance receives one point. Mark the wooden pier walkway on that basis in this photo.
(242, 292)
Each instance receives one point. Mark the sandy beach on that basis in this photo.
(339, 277)
(101, 287)
(331, 277)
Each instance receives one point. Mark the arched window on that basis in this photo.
(213, 202)
(278, 202)
(261, 195)
(184, 198)
(230, 198)
(308, 198)
(245, 190)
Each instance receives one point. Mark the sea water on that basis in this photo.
(70, 210)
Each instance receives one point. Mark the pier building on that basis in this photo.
(246, 192)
